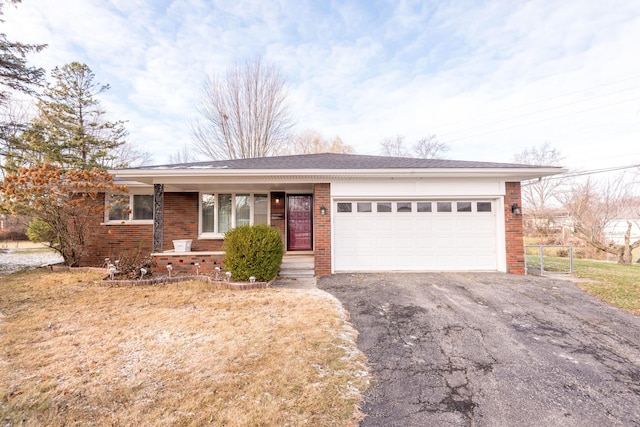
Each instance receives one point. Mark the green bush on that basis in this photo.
(39, 231)
(253, 251)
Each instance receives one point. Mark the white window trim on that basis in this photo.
(129, 221)
(217, 235)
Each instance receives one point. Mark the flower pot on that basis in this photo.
(182, 245)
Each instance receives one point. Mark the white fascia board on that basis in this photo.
(159, 176)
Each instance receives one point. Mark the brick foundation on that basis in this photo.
(185, 263)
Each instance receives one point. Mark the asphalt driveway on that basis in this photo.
(491, 349)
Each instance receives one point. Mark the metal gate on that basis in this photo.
(541, 259)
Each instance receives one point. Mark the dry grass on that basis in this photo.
(73, 352)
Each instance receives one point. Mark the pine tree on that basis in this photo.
(14, 71)
(76, 133)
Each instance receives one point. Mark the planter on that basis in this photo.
(182, 245)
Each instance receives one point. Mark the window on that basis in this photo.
(260, 209)
(464, 206)
(123, 207)
(344, 207)
(403, 207)
(444, 206)
(484, 207)
(220, 213)
(383, 206)
(364, 206)
(424, 206)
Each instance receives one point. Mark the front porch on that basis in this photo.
(295, 265)
(299, 212)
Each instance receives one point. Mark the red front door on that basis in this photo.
(300, 223)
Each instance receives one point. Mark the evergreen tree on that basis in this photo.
(15, 74)
(75, 131)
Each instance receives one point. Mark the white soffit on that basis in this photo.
(203, 175)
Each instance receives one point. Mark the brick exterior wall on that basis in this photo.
(185, 263)
(181, 222)
(513, 230)
(110, 241)
(322, 229)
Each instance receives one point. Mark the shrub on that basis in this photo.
(39, 231)
(253, 251)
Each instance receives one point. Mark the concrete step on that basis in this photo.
(297, 266)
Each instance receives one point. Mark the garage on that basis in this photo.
(415, 235)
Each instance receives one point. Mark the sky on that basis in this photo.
(489, 78)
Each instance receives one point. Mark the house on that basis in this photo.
(354, 213)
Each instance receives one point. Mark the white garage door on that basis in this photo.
(414, 235)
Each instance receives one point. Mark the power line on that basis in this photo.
(456, 122)
(542, 120)
(532, 113)
(575, 174)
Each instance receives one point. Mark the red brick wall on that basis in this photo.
(185, 263)
(181, 222)
(322, 229)
(110, 241)
(513, 230)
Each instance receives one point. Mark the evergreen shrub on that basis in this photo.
(253, 251)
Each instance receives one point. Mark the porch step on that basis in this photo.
(297, 266)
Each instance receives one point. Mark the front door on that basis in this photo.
(300, 223)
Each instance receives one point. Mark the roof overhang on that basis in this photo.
(246, 176)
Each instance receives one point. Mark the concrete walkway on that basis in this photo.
(295, 283)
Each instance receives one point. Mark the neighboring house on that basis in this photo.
(616, 230)
(354, 213)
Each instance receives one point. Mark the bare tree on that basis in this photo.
(430, 148)
(394, 146)
(337, 145)
(425, 148)
(184, 155)
(597, 208)
(311, 141)
(128, 156)
(539, 195)
(243, 114)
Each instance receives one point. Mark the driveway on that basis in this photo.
(491, 349)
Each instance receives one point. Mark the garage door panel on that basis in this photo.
(414, 241)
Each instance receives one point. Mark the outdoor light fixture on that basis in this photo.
(277, 200)
(228, 274)
(515, 209)
(252, 279)
(197, 265)
(323, 210)
(169, 268)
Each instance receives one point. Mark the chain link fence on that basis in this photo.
(541, 259)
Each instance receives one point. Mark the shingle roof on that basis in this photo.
(335, 161)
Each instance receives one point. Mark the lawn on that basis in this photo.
(74, 352)
(618, 285)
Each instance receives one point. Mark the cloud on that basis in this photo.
(488, 78)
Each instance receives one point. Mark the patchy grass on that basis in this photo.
(618, 285)
(74, 352)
